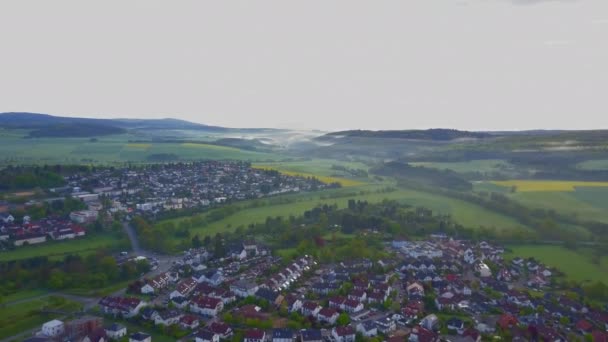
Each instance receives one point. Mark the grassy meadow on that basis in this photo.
(548, 185)
(576, 265)
(483, 166)
(59, 249)
(463, 212)
(15, 149)
(319, 168)
(21, 317)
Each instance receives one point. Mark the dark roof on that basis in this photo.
(266, 294)
(283, 333)
(205, 335)
(115, 327)
(139, 336)
(311, 335)
(345, 331)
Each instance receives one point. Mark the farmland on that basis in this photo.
(465, 213)
(59, 249)
(547, 185)
(112, 150)
(482, 166)
(322, 169)
(594, 164)
(577, 265)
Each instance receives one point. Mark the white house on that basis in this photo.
(343, 334)
(206, 336)
(207, 306)
(328, 316)
(116, 331)
(140, 337)
(244, 288)
(283, 335)
(367, 329)
(53, 328)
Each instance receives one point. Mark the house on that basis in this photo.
(180, 302)
(83, 216)
(415, 287)
(352, 306)
(343, 334)
(183, 288)
(584, 326)
(244, 288)
(328, 315)
(189, 322)
(385, 325)
(97, 335)
(293, 303)
(311, 335)
(29, 239)
(272, 297)
(507, 321)
(455, 324)
(116, 331)
(421, 334)
(430, 322)
(206, 336)
(124, 306)
(210, 276)
(7, 218)
(53, 328)
(222, 329)
(157, 283)
(358, 295)
(367, 329)
(207, 306)
(283, 335)
(255, 335)
(310, 309)
(336, 302)
(140, 337)
(168, 317)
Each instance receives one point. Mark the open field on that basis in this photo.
(21, 317)
(576, 265)
(14, 149)
(596, 164)
(465, 213)
(57, 250)
(325, 179)
(483, 166)
(547, 185)
(586, 202)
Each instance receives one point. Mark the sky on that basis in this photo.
(330, 65)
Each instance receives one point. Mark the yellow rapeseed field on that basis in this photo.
(547, 185)
(325, 179)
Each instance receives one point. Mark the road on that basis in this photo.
(135, 246)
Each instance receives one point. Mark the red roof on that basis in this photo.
(599, 336)
(584, 325)
(188, 319)
(327, 312)
(207, 302)
(255, 334)
(506, 321)
(345, 331)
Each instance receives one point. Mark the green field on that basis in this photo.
(57, 250)
(15, 319)
(465, 213)
(576, 265)
(315, 166)
(483, 166)
(14, 149)
(596, 164)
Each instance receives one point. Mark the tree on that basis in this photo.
(343, 319)
(196, 241)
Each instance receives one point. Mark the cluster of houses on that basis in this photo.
(34, 232)
(86, 329)
(155, 188)
(428, 291)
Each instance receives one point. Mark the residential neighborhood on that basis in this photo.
(434, 291)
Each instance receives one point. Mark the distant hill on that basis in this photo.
(44, 125)
(437, 134)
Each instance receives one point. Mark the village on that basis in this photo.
(437, 289)
(145, 191)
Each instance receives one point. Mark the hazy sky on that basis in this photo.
(469, 64)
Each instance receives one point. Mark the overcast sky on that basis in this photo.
(467, 64)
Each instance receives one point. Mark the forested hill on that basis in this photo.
(438, 134)
(44, 125)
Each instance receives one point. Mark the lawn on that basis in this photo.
(463, 212)
(59, 249)
(24, 316)
(576, 265)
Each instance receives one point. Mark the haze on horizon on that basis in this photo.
(345, 64)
